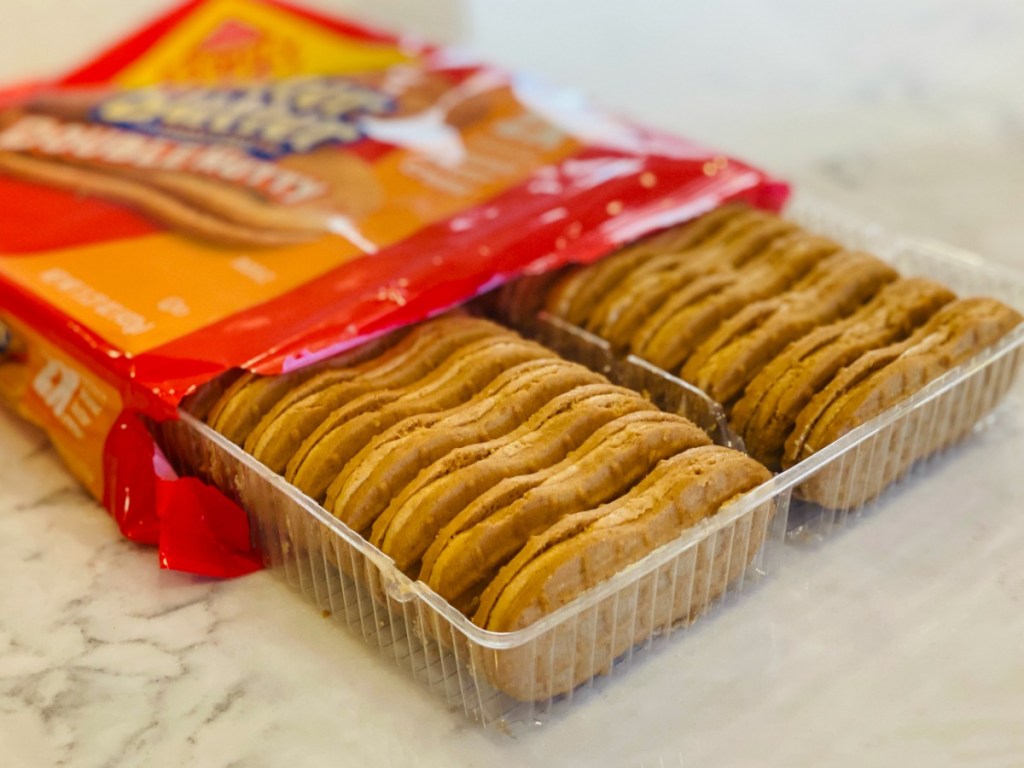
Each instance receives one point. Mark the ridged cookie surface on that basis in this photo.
(883, 377)
(767, 412)
(409, 526)
(250, 396)
(620, 314)
(392, 460)
(349, 428)
(724, 364)
(491, 530)
(281, 432)
(576, 293)
(587, 547)
(670, 335)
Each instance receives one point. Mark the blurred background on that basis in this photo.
(908, 111)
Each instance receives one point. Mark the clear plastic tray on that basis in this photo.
(668, 392)
(851, 476)
(499, 679)
(854, 475)
(505, 680)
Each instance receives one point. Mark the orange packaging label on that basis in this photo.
(72, 405)
(286, 221)
(256, 164)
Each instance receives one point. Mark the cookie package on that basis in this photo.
(246, 187)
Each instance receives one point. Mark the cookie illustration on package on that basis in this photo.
(254, 165)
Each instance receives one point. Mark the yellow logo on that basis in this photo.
(235, 40)
(236, 50)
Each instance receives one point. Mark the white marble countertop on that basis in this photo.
(899, 642)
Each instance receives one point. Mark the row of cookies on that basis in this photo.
(483, 464)
(799, 339)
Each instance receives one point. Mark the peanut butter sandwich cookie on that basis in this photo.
(594, 544)
(278, 435)
(671, 334)
(493, 528)
(767, 412)
(618, 316)
(578, 291)
(213, 192)
(724, 364)
(647, 264)
(883, 377)
(393, 458)
(349, 428)
(586, 548)
(442, 490)
(174, 206)
(201, 401)
(248, 398)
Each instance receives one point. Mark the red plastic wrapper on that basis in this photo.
(251, 185)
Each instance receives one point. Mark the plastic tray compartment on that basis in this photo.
(505, 680)
(508, 679)
(849, 478)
